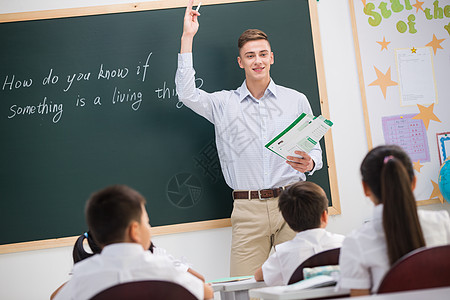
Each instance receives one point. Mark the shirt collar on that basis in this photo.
(244, 92)
(311, 234)
(118, 249)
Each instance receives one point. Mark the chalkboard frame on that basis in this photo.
(334, 208)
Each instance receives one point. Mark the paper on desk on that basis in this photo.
(302, 134)
(313, 282)
(230, 279)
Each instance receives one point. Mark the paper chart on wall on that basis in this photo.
(408, 133)
(403, 56)
(416, 76)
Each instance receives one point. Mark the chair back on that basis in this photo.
(149, 289)
(324, 258)
(421, 269)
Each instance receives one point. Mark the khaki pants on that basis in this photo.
(257, 225)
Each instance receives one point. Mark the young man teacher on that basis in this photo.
(246, 119)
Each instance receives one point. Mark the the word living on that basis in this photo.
(135, 98)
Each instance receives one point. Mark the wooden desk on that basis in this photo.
(237, 290)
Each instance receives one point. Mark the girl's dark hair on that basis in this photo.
(79, 253)
(387, 170)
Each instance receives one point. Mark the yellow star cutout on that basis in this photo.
(418, 5)
(436, 192)
(384, 44)
(413, 50)
(426, 114)
(383, 80)
(435, 43)
(417, 166)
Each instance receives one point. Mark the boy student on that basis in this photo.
(245, 119)
(304, 206)
(119, 223)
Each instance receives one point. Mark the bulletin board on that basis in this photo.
(403, 56)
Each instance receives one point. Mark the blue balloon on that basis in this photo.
(444, 180)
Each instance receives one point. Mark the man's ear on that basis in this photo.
(240, 62)
(272, 58)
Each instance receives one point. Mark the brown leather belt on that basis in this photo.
(261, 194)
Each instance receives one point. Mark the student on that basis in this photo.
(79, 253)
(304, 206)
(246, 119)
(119, 222)
(397, 227)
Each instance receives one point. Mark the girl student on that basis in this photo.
(397, 226)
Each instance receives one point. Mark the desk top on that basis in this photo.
(269, 293)
(240, 285)
(277, 294)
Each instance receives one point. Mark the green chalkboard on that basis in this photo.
(90, 101)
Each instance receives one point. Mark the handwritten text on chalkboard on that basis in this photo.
(118, 95)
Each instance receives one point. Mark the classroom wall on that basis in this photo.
(35, 274)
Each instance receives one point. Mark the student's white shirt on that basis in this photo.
(179, 264)
(124, 262)
(364, 260)
(279, 267)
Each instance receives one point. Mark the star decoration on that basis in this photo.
(417, 166)
(413, 50)
(418, 5)
(436, 192)
(435, 43)
(384, 44)
(426, 114)
(383, 80)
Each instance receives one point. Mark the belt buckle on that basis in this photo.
(260, 198)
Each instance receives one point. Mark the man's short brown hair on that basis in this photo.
(251, 35)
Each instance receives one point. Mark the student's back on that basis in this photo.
(396, 227)
(124, 262)
(118, 220)
(304, 206)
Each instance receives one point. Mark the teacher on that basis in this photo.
(245, 119)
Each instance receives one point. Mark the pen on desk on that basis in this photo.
(198, 7)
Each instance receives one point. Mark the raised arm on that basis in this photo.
(190, 28)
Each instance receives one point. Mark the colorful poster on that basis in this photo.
(408, 133)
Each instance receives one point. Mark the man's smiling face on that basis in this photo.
(255, 57)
